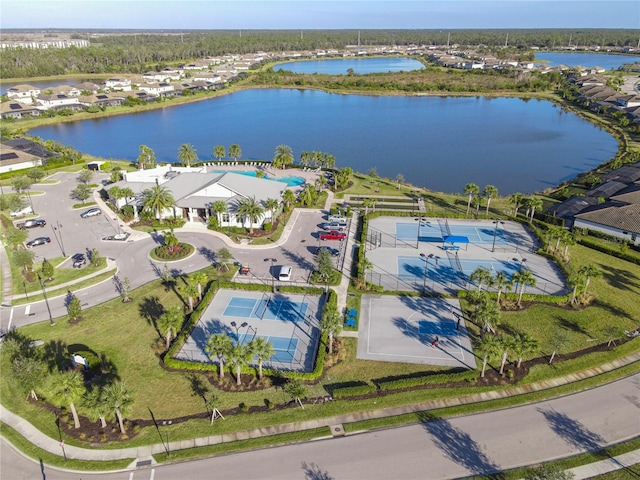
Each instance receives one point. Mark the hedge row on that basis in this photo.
(353, 391)
(416, 381)
(608, 250)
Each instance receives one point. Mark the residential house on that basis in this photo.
(59, 101)
(118, 84)
(17, 110)
(612, 219)
(158, 89)
(23, 93)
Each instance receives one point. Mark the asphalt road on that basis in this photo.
(71, 234)
(458, 447)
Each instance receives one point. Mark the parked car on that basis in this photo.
(284, 275)
(32, 224)
(38, 241)
(334, 226)
(334, 252)
(21, 213)
(337, 218)
(92, 212)
(79, 260)
(333, 235)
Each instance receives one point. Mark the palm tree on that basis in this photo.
(523, 344)
(489, 192)
(502, 284)
(190, 291)
(169, 323)
(239, 356)
(516, 200)
(481, 275)
(95, 405)
(343, 177)
(219, 345)
(263, 350)
(305, 158)
(250, 208)
(68, 388)
(366, 265)
(288, 198)
(308, 195)
(30, 373)
(211, 403)
(219, 208)
(472, 190)
(534, 203)
(328, 161)
(576, 280)
(558, 343)
(146, 157)
(523, 277)
(119, 399)
(219, 152)
(187, 154)
(589, 271)
(506, 343)
(235, 152)
(490, 347)
(271, 204)
(115, 194)
(296, 390)
(331, 323)
(283, 157)
(223, 256)
(485, 312)
(399, 180)
(368, 203)
(156, 199)
(200, 279)
(568, 240)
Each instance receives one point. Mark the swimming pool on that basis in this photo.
(291, 181)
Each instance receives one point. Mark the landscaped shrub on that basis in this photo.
(353, 391)
(419, 380)
(181, 250)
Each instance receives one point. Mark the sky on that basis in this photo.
(318, 14)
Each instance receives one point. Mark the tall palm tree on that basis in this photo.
(472, 190)
(534, 203)
(368, 203)
(589, 271)
(308, 195)
(262, 350)
(251, 209)
(190, 291)
(146, 157)
(119, 399)
(219, 345)
(516, 200)
(331, 323)
(485, 312)
(156, 199)
(502, 284)
(568, 240)
(490, 347)
(200, 279)
(329, 160)
(95, 405)
(219, 208)
(523, 278)
(169, 323)
(576, 280)
(489, 192)
(506, 343)
(115, 194)
(219, 152)
(288, 198)
(187, 154)
(283, 157)
(68, 388)
(271, 204)
(235, 152)
(240, 356)
(523, 344)
(305, 158)
(558, 343)
(481, 275)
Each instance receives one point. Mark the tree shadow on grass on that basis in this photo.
(458, 446)
(198, 387)
(151, 310)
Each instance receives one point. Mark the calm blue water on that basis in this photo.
(440, 143)
(290, 181)
(574, 59)
(359, 65)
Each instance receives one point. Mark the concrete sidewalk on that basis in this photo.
(51, 445)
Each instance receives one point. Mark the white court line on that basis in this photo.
(27, 310)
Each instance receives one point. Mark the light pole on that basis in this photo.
(426, 270)
(421, 222)
(236, 328)
(58, 234)
(495, 233)
(44, 294)
(521, 261)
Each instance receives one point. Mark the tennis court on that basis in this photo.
(508, 267)
(435, 230)
(266, 308)
(290, 322)
(428, 231)
(481, 235)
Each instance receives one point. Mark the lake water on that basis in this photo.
(358, 65)
(584, 59)
(440, 143)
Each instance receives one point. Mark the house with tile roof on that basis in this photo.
(612, 219)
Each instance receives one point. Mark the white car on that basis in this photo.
(284, 275)
(336, 218)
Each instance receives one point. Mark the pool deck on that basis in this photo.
(309, 175)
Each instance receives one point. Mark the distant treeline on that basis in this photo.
(137, 52)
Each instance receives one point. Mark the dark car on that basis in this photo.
(32, 224)
(92, 212)
(78, 260)
(333, 235)
(334, 252)
(38, 241)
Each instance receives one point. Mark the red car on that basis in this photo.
(333, 235)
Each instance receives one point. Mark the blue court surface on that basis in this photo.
(408, 232)
(412, 269)
(435, 231)
(284, 347)
(479, 235)
(494, 266)
(266, 309)
(442, 328)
